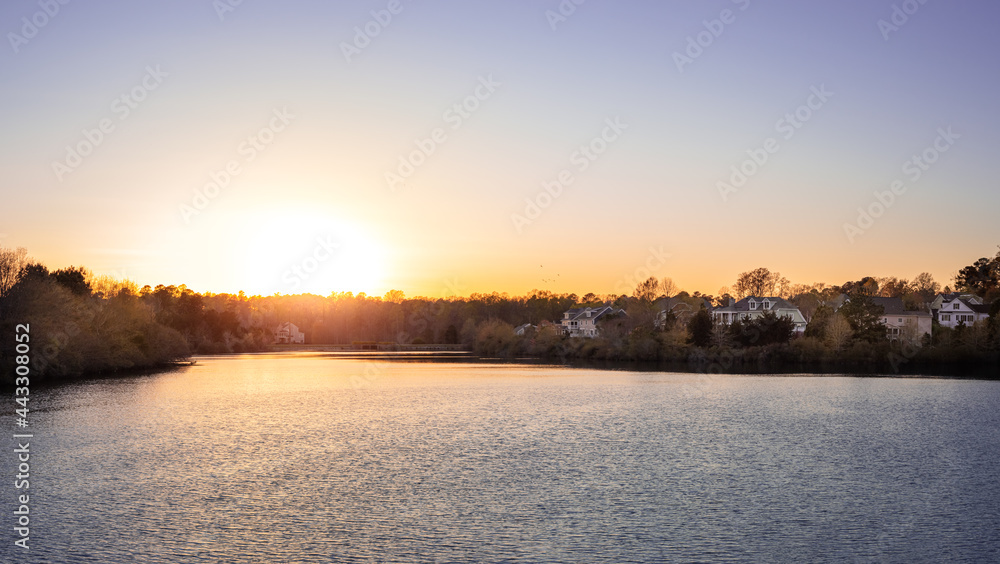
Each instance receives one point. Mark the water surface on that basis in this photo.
(309, 458)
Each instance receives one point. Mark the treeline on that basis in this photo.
(79, 324)
(840, 335)
(850, 339)
(85, 324)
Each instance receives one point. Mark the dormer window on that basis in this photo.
(767, 304)
(753, 304)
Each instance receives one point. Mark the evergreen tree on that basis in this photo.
(700, 328)
(864, 316)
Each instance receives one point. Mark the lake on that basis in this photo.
(317, 458)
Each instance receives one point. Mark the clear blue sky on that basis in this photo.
(460, 221)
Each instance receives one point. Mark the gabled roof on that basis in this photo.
(669, 304)
(894, 306)
(744, 304)
(978, 308)
(891, 306)
(966, 297)
(972, 304)
(837, 302)
(595, 312)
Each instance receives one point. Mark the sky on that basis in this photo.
(449, 147)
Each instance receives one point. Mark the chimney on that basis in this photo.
(732, 302)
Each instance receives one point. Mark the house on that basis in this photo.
(520, 330)
(582, 321)
(940, 299)
(837, 302)
(289, 333)
(901, 323)
(953, 309)
(752, 307)
(543, 326)
(683, 309)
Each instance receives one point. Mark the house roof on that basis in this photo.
(966, 297)
(837, 302)
(978, 308)
(679, 303)
(970, 300)
(891, 306)
(744, 304)
(894, 306)
(595, 312)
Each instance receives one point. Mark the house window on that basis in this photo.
(945, 318)
(900, 319)
(954, 306)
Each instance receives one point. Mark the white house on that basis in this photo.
(901, 323)
(752, 307)
(941, 298)
(288, 332)
(954, 309)
(582, 321)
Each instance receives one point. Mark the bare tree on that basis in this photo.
(647, 291)
(11, 263)
(838, 331)
(925, 287)
(758, 282)
(892, 287)
(720, 335)
(783, 286)
(667, 287)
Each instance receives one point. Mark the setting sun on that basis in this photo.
(293, 251)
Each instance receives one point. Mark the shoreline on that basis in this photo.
(913, 369)
(457, 353)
